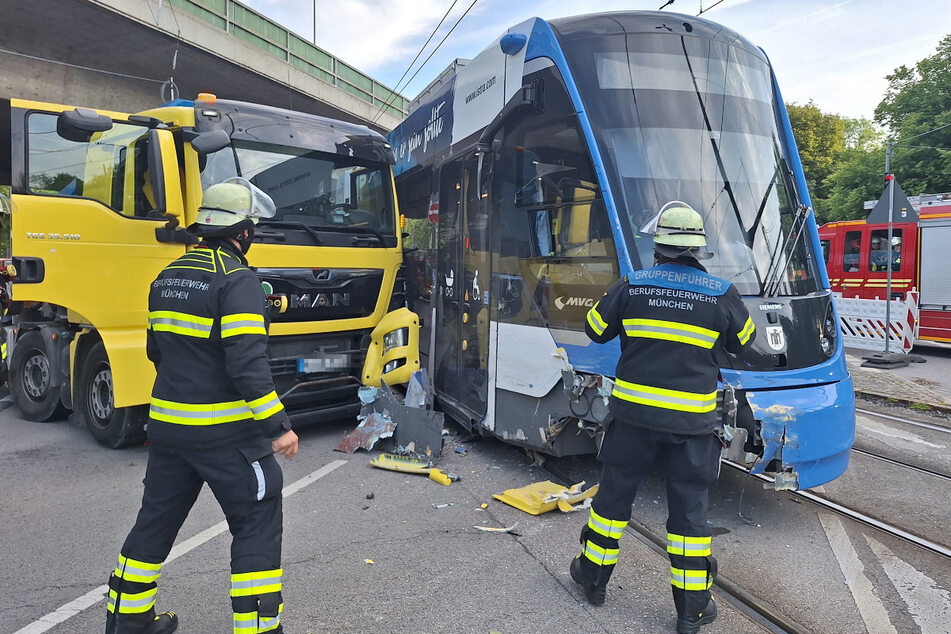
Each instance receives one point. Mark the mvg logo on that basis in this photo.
(561, 302)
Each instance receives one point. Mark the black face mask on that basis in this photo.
(245, 243)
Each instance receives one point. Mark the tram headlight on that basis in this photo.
(827, 332)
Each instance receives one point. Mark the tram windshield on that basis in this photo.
(692, 119)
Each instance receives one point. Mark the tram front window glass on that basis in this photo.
(695, 120)
(313, 191)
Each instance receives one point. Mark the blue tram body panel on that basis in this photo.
(802, 398)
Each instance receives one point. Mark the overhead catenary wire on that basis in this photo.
(433, 52)
(410, 66)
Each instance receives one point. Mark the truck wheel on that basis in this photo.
(111, 427)
(31, 380)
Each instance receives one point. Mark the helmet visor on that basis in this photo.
(261, 204)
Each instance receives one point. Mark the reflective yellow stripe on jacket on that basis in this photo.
(214, 413)
(671, 331)
(747, 332)
(180, 323)
(596, 321)
(667, 399)
(242, 324)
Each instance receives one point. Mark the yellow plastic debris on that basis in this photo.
(368, 561)
(406, 464)
(545, 496)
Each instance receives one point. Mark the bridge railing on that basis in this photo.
(250, 26)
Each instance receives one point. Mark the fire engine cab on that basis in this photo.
(857, 255)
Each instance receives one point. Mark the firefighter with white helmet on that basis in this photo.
(214, 417)
(672, 320)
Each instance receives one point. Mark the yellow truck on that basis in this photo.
(98, 205)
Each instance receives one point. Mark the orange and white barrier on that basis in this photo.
(863, 322)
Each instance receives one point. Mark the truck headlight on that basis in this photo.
(395, 339)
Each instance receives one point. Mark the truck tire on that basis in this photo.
(111, 427)
(31, 380)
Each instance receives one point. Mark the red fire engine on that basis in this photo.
(857, 253)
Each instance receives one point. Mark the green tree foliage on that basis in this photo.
(821, 141)
(916, 104)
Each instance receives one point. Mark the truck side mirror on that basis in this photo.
(80, 124)
(211, 141)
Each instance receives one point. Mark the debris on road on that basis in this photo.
(492, 529)
(443, 505)
(545, 496)
(408, 464)
(371, 429)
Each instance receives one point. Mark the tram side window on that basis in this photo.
(852, 251)
(419, 240)
(111, 167)
(880, 251)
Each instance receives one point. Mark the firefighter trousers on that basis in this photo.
(691, 465)
(247, 483)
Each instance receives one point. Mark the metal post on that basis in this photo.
(888, 246)
(315, 26)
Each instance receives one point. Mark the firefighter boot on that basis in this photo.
(146, 623)
(592, 568)
(124, 615)
(691, 624)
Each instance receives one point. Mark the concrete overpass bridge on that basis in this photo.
(119, 55)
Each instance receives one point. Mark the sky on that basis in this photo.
(836, 53)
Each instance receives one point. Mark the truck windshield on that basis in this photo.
(693, 119)
(313, 191)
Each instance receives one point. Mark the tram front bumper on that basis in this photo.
(807, 432)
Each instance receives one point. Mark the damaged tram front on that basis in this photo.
(529, 177)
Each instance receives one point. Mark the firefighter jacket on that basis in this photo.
(671, 319)
(207, 337)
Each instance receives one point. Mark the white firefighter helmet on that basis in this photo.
(231, 206)
(679, 231)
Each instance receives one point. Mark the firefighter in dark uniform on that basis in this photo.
(214, 417)
(671, 318)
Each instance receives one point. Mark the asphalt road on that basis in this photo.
(68, 504)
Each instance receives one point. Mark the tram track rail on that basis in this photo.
(725, 590)
(857, 516)
(907, 421)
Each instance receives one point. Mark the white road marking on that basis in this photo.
(93, 597)
(928, 604)
(904, 439)
(869, 606)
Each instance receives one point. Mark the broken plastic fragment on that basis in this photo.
(545, 496)
(371, 429)
(368, 561)
(492, 529)
(443, 505)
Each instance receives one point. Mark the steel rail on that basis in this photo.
(899, 463)
(907, 421)
(753, 608)
(858, 516)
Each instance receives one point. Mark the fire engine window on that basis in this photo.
(881, 251)
(852, 251)
(111, 167)
(825, 251)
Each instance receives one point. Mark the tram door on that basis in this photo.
(462, 305)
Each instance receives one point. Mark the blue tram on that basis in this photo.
(529, 177)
